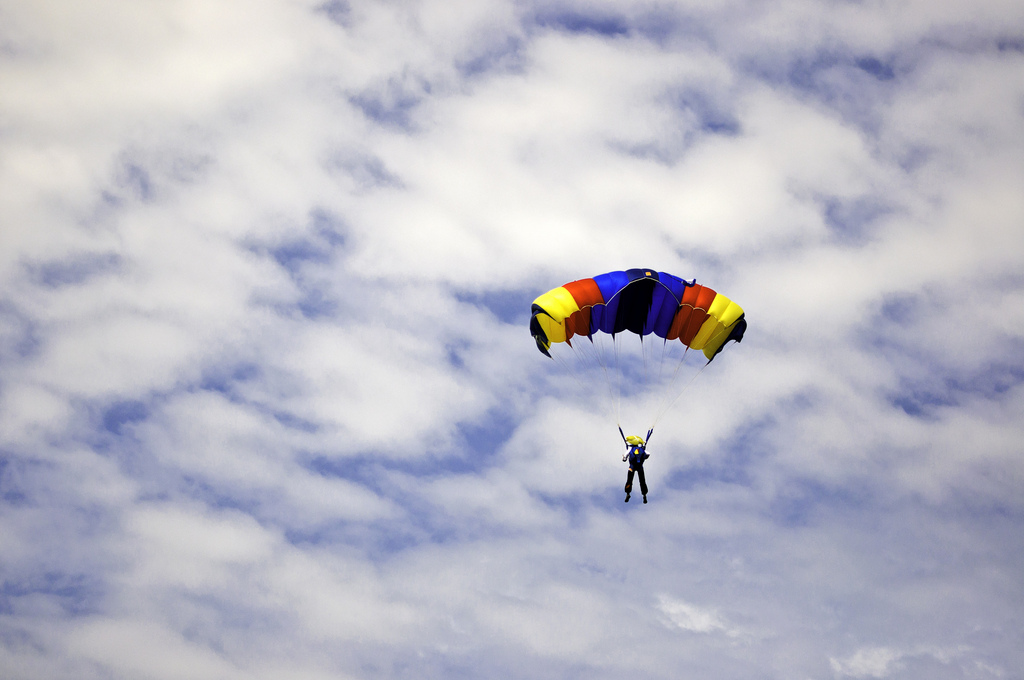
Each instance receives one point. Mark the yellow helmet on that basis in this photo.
(633, 440)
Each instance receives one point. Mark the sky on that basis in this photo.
(270, 407)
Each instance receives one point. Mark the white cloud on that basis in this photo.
(691, 618)
(872, 662)
(882, 662)
(147, 650)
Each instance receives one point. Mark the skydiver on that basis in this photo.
(636, 454)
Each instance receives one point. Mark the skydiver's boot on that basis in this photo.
(645, 498)
(627, 499)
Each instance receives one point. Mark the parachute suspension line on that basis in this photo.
(661, 360)
(585, 360)
(557, 356)
(662, 352)
(615, 375)
(644, 352)
(608, 377)
(679, 365)
(673, 394)
(672, 403)
(614, 381)
(666, 383)
(645, 378)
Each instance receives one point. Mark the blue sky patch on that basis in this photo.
(338, 11)
(949, 387)
(315, 304)
(508, 306)
(802, 502)
(711, 115)
(136, 180)
(294, 422)
(500, 56)
(123, 413)
(876, 67)
(902, 309)
(223, 378)
(292, 255)
(393, 104)
(571, 21)
(12, 490)
(1015, 44)
(475, 449)
(851, 220)
(19, 334)
(75, 269)
(731, 462)
(367, 171)
(76, 594)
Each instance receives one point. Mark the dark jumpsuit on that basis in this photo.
(636, 457)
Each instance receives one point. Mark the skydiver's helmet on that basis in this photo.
(633, 440)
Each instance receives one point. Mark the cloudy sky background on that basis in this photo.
(269, 407)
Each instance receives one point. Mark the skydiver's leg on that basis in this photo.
(643, 482)
(629, 483)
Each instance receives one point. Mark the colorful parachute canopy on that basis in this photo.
(642, 301)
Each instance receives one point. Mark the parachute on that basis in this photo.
(644, 302)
